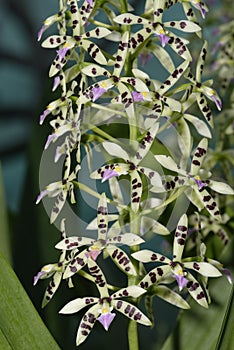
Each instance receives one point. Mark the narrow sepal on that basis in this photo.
(77, 305)
(87, 323)
(131, 312)
(196, 291)
(146, 256)
(121, 259)
(180, 238)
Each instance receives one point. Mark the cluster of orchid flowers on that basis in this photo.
(149, 106)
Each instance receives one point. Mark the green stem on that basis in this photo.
(133, 336)
(103, 134)
(132, 280)
(88, 190)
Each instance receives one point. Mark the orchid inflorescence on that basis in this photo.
(116, 87)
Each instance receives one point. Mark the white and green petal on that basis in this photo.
(87, 323)
(94, 51)
(99, 278)
(208, 202)
(199, 156)
(169, 163)
(52, 287)
(195, 290)
(131, 312)
(146, 143)
(199, 125)
(170, 296)
(136, 190)
(76, 264)
(180, 238)
(121, 259)
(129, 239)
(204, 268)
(121, 54)
(78, 304)
(220, 187)
(102, 217)
(155, 276)
(131, 291)
(146, 256)
(73, 242)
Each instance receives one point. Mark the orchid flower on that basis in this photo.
(103, 306)
(194, 186)
(55, 270)
(131, 166)
(156, 27)
(103, 243)
(61, 189)
(177, 268)
(67, 43)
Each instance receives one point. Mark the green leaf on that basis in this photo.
(4, 230)
(219, 318)
(20, 325)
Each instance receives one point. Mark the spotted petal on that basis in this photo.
(94, 70)
(196, 291)
(121, 259)
(129, 19)
(102, 217)
(136, 190)
(146, 256)
(76, 264)
(87, 323)
(180, 238)
(99, 278)
(199, 156)
(129, 239)
(77, 305)
(203, 268)
(174, 77)
(208, 202)
(131, 312)
(121, 54)
(131, 291)
(98, 33)
(94, 51)
(72, 242)
(51, 288)
(146, 143)
(154, 276)
(184, 25)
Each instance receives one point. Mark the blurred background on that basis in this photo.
(25, 90)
